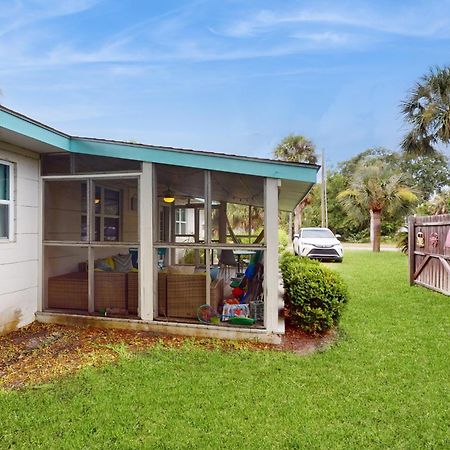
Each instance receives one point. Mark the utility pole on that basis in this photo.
(324, 208)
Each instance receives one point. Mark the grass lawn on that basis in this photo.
(385, 384)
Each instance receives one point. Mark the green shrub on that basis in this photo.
(314, 294)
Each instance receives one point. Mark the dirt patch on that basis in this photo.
(40, 352)
(301, 343)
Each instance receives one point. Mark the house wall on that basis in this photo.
(19, 258)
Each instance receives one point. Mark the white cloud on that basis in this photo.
(326, 37)
(17, 14)
(409, 20)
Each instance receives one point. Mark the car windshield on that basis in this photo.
(324, 234)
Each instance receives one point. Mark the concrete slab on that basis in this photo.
(157, 327)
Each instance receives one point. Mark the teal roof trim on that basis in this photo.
(34, 130)
(209, 161)
(27, 127)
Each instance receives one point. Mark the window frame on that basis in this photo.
(10, 202)
(101, 215)
(180, 223)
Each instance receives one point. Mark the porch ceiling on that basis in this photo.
(225, 187)
(291, 193)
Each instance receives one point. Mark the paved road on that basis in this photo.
(384, 247)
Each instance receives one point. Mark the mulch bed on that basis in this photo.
(302, 343)
(39, 353)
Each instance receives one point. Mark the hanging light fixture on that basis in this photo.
(169, 196)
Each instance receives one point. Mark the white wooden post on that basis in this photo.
(42, 280)
(271, 273)
(90, 221)
(146, 253)
(196, 235)
(223, 222)
(208, 234)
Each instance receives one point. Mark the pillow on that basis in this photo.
(104, 264)
(109, 260)
(122, 263)
(185, 270)
(134, 257)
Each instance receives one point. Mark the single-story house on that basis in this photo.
(121, 234)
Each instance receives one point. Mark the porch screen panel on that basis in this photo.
(237, 203)
(115, 210)
(65, 210)
(182, 284)
(75, 163)
(180, 205)
(103, 164)
(116, 280)
(66, 278)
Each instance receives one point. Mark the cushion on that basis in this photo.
(104, 264)
(185, 270)
(122, 263)
(134, 257)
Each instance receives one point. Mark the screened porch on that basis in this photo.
(114, 228)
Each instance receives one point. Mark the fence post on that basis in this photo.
(411, 247)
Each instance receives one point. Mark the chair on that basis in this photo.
(226, 262)
(161, 257)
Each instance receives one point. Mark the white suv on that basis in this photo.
(318, 243)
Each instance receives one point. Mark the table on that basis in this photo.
(239, 253)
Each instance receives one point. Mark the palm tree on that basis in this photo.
(297, 148)
(375, 189)
(427, 109)
(440, 204)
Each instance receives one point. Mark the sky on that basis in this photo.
(232, 76)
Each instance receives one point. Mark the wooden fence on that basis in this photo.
(429, 252)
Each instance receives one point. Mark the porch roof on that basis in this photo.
(296, 178)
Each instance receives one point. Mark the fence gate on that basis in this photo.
(429, 252)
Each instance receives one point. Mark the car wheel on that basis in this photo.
(339, 260)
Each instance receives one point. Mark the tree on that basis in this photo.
(375, 189)
(297, 148)
(367, 157)
(429, 174)
(439, 204)
(427, 109)
(338, 220)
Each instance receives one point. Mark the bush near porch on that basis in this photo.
(314, 295)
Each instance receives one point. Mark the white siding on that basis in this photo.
(19, 259)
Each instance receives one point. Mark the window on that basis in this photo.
(180, 221)
(107, 214)
(6, 201)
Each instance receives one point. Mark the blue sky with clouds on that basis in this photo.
(233, 76)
